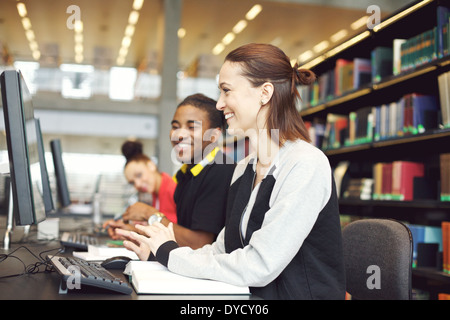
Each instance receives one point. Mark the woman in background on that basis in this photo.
(141, 172)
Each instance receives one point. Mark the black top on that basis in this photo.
(201, 193)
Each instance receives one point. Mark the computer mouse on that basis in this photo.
(118, 262)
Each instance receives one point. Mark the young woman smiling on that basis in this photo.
(282, 237)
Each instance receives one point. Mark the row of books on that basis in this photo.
(346, 76)
(384, 61)
(427, 46)
(412, 114)
(397, 180)
(445, 176)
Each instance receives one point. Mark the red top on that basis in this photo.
(165, 197)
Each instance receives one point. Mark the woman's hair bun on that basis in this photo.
(132, 148)
(306, 76)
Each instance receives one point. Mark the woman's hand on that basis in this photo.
(157, 234)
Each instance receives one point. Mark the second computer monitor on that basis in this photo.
(60, 174)
(23, 149)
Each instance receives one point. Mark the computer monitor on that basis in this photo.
(46, 189)
(22, 142)
(60, 174)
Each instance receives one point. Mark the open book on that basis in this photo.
(151, 277)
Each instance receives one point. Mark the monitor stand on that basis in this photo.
(10, 222)
(10, 219)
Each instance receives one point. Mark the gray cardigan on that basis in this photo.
(298, 232)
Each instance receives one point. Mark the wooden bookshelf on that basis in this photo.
(424, 147)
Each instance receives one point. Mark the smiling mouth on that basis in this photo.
(229, 115)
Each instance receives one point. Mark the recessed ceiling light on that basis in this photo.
(253, 12)
(137, 4)
(240, 26)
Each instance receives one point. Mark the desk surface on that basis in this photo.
(45, 285)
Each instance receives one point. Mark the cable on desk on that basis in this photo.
(31, 268)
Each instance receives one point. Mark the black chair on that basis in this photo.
(378, 259)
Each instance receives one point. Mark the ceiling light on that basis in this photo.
(33, 45)
(126, 41)
(218, 49)
(21, 9)
(321, 46)
(36, 54)
(30, 35)
(229, 37)
(239, 26)
(253, 12)
(305, 56)
(78, 27)
(78, 37)
(134, 17)
(181, 33)
(26, 23)
(339, 35)
(123, 51)
(129, 31)
(79, 58)
(137, 4)
(359, 23)
(79, 48)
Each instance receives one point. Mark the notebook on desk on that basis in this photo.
(103, 252)
(151, 277)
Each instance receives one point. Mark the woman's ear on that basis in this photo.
(266, 92)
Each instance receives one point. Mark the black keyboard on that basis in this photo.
(78, 240)
(77, 273)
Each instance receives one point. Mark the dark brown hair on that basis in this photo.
(266, 63)
(202, 102)
(133, 151)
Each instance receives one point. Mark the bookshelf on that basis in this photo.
(333, 108)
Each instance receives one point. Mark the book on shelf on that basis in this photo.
(397, 56)
(403, 174)
(316, 130)
(444, 163)
(424, 112)
(428, 235)
(445, 246)
(362, 72)
(382, 61)
(326, 86)
(360, 126)
(444, 97)
(443, 296)
(443, 43)
(335, 131)
(359, 189)
(382, 183)
(343, 76)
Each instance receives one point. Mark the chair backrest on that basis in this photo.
(378, 259)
